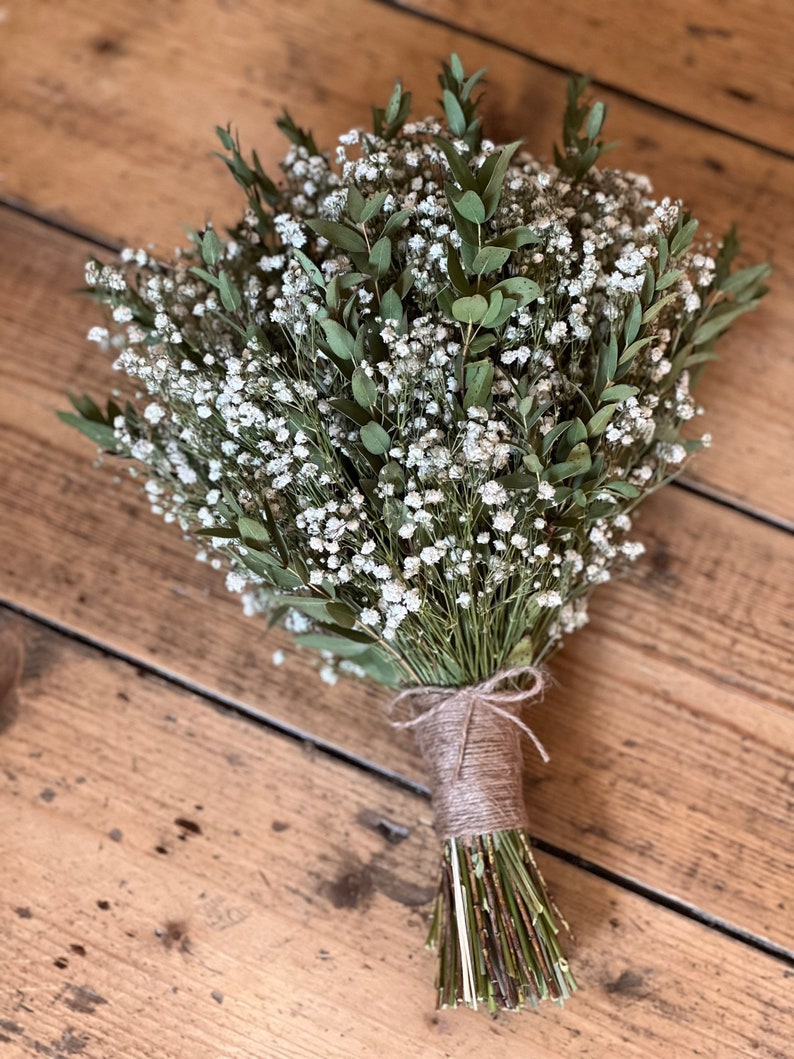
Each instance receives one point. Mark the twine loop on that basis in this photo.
(470, 739)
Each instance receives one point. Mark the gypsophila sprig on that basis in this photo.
(410, 400)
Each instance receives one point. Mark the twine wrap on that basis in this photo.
(470, 740)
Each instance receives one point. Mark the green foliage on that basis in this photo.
(410, 344)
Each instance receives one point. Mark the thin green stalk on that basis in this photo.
(495, 926)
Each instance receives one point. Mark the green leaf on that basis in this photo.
(456, 66)
(656, 308)
(716, 324)
(396, 221)
(631, 327)
(519, 287)
(623, 489)
(744, 279)
(618, 393)
(364, 389)
(373, 206)
(380, 257)
(375, 439)
(470, 310)
(206, 276)
(314, 608)
(459, 166)
(669, 278)
(339, 235)
(493, 191)
(482, 342)
(341, 615)
(456, 119)
(231, 299)
(456, 274)
(225, 137)
(309, 268)
(517, 480)
(595, 120)
(337, 645)
(479, 380)
(682, 239)
(598, 423)
(551, 436)
(575, 433)
(100, 433)
(607, 363)
(355, 203)
(515, 238)
(579, 460)
(470, 206)
(489, 259)
(393, 106)
(211, 247)
(378, 668)
(664, 249)
(395, 513)
(391, 307)
(630, 352)
(532, 463)
(495, 303)
(252, 533)
(340, 340)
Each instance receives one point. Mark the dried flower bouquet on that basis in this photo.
(408, 404)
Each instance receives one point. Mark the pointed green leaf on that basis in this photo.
(339, 235)
(373, 206)
(231, 299)
(364, 389)
(470, 310)
(339, 339)
(211, 247)
(489, 259)
(375, 439)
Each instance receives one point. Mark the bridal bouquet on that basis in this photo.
(408, 404)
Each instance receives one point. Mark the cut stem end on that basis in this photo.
(495, 927)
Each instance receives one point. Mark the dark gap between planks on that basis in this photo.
(622, 93)
(230, 706)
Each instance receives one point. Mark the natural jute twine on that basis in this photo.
(470, 739)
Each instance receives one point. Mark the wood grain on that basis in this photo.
(125, 98)
(725, 63)
(178, 882)
(700, 638)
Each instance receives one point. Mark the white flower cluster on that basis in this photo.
(383, 471)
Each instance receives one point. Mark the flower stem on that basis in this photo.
(495, 926)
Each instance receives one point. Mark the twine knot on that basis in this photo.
(470, 739)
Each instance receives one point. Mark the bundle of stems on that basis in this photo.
(408, 404)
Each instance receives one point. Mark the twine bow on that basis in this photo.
(488, 694)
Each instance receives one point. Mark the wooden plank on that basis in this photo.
(726, 64)
(644, 776)
(130, 112)
(178, 882)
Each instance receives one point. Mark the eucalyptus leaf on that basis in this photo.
(375, 439)
(339, 235)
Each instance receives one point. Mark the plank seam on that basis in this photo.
(230, 706)
(483, 38)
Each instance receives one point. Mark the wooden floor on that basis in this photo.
(181, 881)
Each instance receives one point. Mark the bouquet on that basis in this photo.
(408, 404)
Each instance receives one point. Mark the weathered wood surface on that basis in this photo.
(126, 105)
(180, 883)
(699, 639)
(728, 64)
(670, 727)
